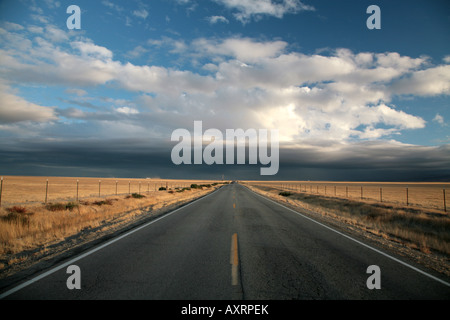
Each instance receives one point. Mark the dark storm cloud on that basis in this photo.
(374, 161)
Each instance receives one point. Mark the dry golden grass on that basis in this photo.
(25, 189)
(28, 230)
(422, 195)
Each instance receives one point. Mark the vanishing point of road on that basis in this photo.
(233, 245)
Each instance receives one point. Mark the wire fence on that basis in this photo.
(15, 190)
(425, 195)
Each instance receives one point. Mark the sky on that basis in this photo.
(349, 102)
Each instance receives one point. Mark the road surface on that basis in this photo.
(233, 244)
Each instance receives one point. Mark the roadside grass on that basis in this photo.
(418, 228)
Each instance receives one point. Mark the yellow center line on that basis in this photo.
(234, 260)
(234, 250)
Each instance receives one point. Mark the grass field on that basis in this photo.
(24, 190)
(431, 195)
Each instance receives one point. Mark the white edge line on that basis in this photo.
(49, 272)
(357, 241)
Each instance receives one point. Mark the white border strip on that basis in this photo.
(51, 271)
(357, 241)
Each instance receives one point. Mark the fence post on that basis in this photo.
(346, 191)
(407, 196)
(77, 190)
(129, 187)
(139, 187)
(46, 191)
(1, 189)
(99, 183)
(445, 206)
(361, 192)
(381, 194)
(116, 187)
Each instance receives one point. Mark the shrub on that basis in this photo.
(102, 202)
(285, 193)
(137, 196)
(16, 209)
(61, 206)
(162, 189)
(17, 215)
(72, 205)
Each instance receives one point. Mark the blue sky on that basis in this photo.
(349, 102)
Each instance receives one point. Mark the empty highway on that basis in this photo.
(233, 244)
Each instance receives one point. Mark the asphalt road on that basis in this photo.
(234, 244)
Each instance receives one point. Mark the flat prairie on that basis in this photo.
(26, 189)
(432, 195)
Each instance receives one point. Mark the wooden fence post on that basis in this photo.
(1, 189)
(407, 196)
(77, 189)
(445, 206)
(46, 191)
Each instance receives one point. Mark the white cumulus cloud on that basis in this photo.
(14, 108)
(246, 10)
